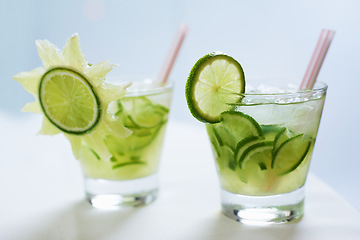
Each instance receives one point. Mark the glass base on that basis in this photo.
(259, 210)
(113, 194)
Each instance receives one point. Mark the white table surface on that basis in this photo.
(41, 195)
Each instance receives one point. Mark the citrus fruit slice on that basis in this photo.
(271, 131)
(223, 136)
(214, 140)
(290, 154)
(69, 101)
(227, 157)
(245, 144)
(215, 81)
(257, 154)
(281, 137)
(240, 125)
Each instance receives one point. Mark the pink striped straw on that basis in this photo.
(172, 54)
(317, 59)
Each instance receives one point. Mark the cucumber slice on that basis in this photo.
(140, 112)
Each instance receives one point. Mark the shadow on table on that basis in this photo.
(79, 220)
(221, 227)
(82, 221)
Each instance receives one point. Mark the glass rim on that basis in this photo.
(155, 87)
(149, 92)
(318, 88)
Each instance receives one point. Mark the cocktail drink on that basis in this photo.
(130, 176)
(263, 147)
(116, 130)
(262, 138)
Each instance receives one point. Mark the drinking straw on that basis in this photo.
(312, 71)
(171, 55)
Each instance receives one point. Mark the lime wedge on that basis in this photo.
(215, 81)
(69, 101)
(290, 154)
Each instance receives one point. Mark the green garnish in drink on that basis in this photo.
(114, 136)
(215, 80)
(137, 155)
(254, 155)
(69, 101)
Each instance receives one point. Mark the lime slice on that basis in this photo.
(240, 125)
(245, 144)
(230, 133)
(214, 139)
(223, 136)
(69, 101)
(258, 154)
(281, 137)
(234, 127)
(254, 161)
(271, 131)
(226, 158)
(290, 154)
(215, 81)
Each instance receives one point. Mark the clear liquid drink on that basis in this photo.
(263, 147)
(130, 176)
